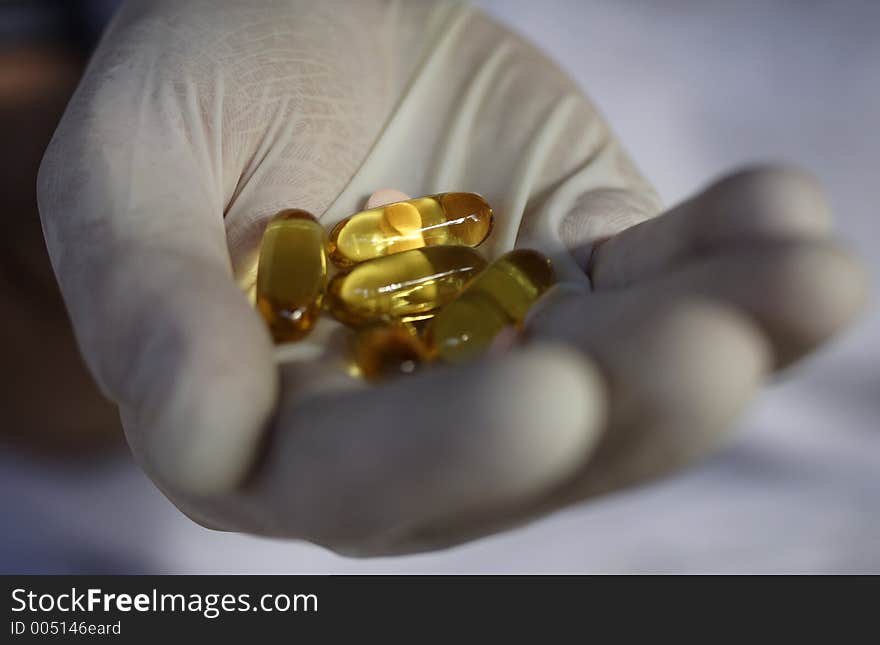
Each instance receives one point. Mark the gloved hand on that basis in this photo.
(198, 120)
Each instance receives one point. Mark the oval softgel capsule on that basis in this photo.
(500, 296)
(387, 351)
(291, 274)
(463, 219)
(403, 287)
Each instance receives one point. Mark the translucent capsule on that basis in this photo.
(405, 287)
(448, 218)
(292, 274)
(499, 297)
(388, 351)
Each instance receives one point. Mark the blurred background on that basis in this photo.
(693, 88)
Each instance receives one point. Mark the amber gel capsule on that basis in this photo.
(403, 287)
(292, 274)
(448, 218)
(499, 297)
(386, 351)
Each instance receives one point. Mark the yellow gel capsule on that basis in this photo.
(291, 274)
(501, 296)
(405, 287)
(388, 351)
(446, 219)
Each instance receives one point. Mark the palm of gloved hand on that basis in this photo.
(197, 121)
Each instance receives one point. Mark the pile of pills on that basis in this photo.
(408, 281)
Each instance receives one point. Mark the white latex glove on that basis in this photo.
(197, 120)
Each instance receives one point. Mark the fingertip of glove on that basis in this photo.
(553, 404)
(209, 436)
